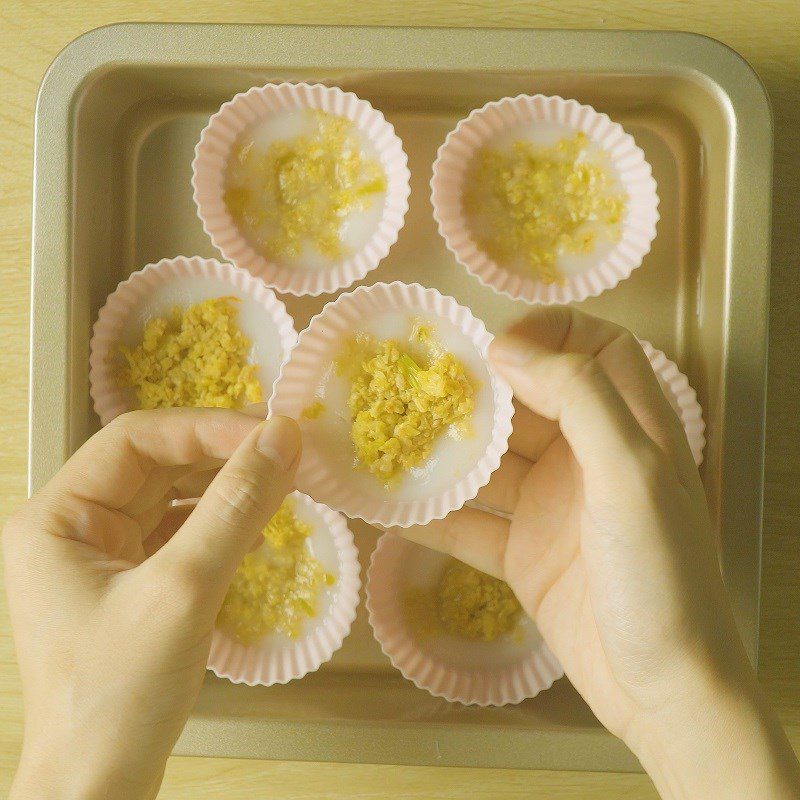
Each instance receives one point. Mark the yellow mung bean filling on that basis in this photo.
(474, 605)
(276, 588)
(402, 398)
(194, 357)
(533, 204)
(314, 410)
(304, 189)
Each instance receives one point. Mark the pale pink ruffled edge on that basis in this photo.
(257, 664)
(482, 687)
(690, 412)
(299, 377)
(109, 399)
(208, 178)
(639, 224)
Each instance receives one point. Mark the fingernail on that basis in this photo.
(279, 440)
(258, 410)
(511, 350)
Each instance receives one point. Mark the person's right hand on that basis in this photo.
(609, 549)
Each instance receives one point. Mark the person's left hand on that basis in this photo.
(113, 596)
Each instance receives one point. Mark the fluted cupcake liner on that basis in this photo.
(258, 104)
(626, 159)
(279, 659)
(682, 398)
(473, 673)
(327, 469)
(183, 281)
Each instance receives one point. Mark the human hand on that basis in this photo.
(609, 549)
(113, 598)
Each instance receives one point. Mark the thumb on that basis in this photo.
(237, 505)
(553, 363)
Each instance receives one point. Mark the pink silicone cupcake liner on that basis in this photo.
(260, 103)
(627, 161)
(681, 397)
(327, 470)
(279, 659)
(473, 673)
(153, 291)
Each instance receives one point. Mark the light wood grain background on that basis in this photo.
(767, 33)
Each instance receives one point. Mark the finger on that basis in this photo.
(170, 524)
(631, 372)
(111, 468)
(162, 481)
(502, 492)
(66, 517)
(547, 525)
(475, 537)
(195, 484)
(551, 362)
(176, 507)
(236, 506)
(258, 410)
(149, 519)
(532, 433)
(619, 354)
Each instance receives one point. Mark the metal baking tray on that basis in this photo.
(117, 119)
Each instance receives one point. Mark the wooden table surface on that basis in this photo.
(766, 33)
